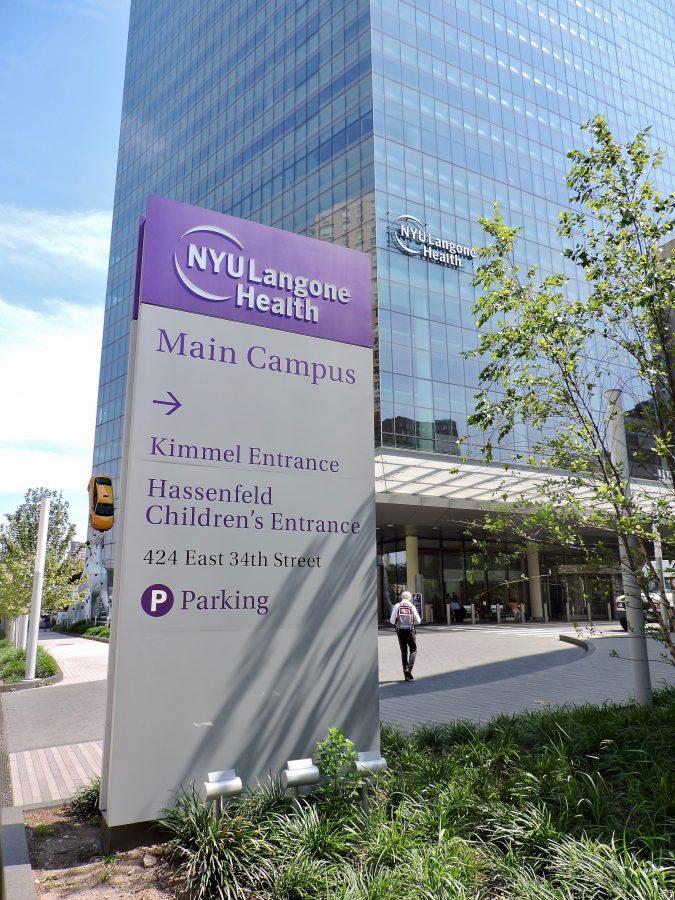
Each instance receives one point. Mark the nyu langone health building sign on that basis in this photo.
(245, 616)
(414, 239)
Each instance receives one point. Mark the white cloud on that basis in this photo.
(49, 363)
(33, 236)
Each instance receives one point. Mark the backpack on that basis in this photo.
(405, 620)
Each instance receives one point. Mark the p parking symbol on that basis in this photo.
(157, 600)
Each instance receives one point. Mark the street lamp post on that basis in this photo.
(635, 616)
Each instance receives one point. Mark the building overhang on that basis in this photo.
(431, 489)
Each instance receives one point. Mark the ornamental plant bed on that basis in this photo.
(68, 862)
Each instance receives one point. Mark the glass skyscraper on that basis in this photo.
(336, 119)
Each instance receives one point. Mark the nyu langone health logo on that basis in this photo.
(214, 266)
(412, 237)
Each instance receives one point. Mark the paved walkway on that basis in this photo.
(463, 672)
(491, 670)
(53, 773)
(54, 733)
(80, 660)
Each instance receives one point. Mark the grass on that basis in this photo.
(85, 804)
(552, 805)
(13, 663)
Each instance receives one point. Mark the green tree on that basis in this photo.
(549, 353)
(18, 540)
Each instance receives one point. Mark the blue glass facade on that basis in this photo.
(331, 119)
(476, 102)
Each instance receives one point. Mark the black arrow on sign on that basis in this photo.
(174, 403)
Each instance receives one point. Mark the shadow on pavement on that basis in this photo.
(484, 674)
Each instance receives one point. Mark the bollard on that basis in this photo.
(498, 608)
(567, 610)
(590, 614)
(473, 613)
(609, 611)
(546, 611)
(448, 613)
(522, 613)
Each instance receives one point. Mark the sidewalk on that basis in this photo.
(54, 733)
(494, 671)
(81, 660)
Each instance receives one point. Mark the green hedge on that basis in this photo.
(83, 628)
(13, 663)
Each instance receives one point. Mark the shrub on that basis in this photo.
(214, 857)
(554, 805)
(45, 665)
(13, 663)
(85, 804)
(98, 631)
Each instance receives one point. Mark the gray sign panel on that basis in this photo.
(244, 617)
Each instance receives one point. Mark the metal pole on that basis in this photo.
(23, 632)
(38, 578)
(546, 611)
(448, 613)
(609, 611)
(522, 613)
(473, 613)
(590, 612)
(498, 616)
(567, 610)
(634, 612)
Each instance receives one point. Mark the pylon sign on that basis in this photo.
(245, 615)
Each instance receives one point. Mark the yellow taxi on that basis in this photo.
(101, 502)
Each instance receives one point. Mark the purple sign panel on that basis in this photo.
(209, 263)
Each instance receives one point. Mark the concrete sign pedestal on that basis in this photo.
(245, 616)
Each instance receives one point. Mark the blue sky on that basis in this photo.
(61, 79)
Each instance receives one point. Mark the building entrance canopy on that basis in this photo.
(435, 485)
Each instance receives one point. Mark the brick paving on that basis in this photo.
(80, 660)
(53, 773)
(490, 671)
(54, 733)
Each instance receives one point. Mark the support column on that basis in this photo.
(534, 582)
(412, 561)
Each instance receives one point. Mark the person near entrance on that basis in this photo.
(456, 609)
(404, 617)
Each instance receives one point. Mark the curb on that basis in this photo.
(578, 642)
(35, 683)
(17, 875)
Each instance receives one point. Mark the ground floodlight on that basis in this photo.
(369, 762)
(222, 785)
(299, 772)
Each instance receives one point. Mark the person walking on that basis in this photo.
(404, 617)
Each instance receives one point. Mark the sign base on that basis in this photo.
(118, 838)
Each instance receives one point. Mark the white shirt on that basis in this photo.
(394, 612)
